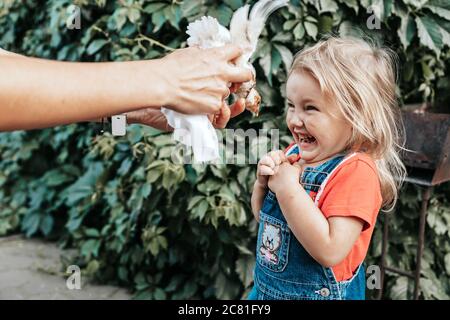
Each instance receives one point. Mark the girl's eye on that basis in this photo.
(290, 106)
(311, 108)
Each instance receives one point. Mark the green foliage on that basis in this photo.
(170, 231)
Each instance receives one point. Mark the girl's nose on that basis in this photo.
(297, 119)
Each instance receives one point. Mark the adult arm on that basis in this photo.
(40, 93)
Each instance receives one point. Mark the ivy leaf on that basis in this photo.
(191, 8)
(288, 25)
(265, 63)
(351, 4)
(90, 247)
(74, 223)
(431, 289)
(326, 6)
(275, 61)
(46, 224)
(244, 269)
(407, 30)
(429, 33)
(286, 55)
(84, 186)
(387, 8)
(194, 201)
(311, 29)
(173, 15)
(299, 31)
(444, 27)
(325, 24)
(154, 7)
(30, 224)
(125, 167)
(222, 13)
(447, 263)
(133, 15)
(122, 273)
(234, 4)
(200, 210)
(158, 19)
(91, 232)
(92, 267)
(439, 7)
(118, 19)
(400, 289)
(189, 289)
(55, 178)
(95, 46)
(225, 288)
(159, 294)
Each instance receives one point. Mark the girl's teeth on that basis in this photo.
(308, 139)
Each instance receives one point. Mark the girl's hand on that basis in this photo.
(268, 166)
(286, 176)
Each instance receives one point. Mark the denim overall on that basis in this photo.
(284, 270)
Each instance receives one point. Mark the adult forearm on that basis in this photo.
(65, 92)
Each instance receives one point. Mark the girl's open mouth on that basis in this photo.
(306, 141)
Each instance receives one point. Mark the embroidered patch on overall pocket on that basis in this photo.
(273, 243)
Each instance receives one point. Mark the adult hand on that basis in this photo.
(221, 118)
(150, 117)
(198, 79)
(154, 117)
(40, 93)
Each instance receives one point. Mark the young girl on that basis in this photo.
(317, 202)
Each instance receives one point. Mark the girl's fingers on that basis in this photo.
(265, 171)
(273, 155)
(282, 156)
(267, 161)
(275, 170)
(297, 165)
(277, 156)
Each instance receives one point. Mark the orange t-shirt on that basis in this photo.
(353, 190)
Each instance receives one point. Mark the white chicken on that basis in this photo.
(244, 31)
(196, 130)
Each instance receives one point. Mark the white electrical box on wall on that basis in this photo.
(119, 125)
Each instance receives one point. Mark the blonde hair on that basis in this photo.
(361, 79)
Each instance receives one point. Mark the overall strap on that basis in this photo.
(313, 177)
